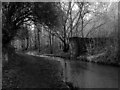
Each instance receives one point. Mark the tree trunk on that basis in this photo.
(65, 46)
(27, 46)
(82, 28)
(35, 40)
(38, 34)
(22, 45)
(50, 43)
(29, 42)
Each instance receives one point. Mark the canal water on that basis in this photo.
(90, 75)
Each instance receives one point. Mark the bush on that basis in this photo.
(109, 51)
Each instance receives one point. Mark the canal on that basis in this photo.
(90, 75)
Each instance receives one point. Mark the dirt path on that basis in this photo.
(34, 72)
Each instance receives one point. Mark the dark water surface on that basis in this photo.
(90, 75)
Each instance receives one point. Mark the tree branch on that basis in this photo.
(94, 28)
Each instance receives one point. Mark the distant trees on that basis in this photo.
(74, 19)
(23, 35)
(60, 19)
(15, 14)
(45, 13)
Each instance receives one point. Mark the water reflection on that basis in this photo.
(90, 75)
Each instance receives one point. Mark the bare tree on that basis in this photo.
(69, 20)
(73, 21)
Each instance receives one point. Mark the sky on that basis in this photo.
(96, 4)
